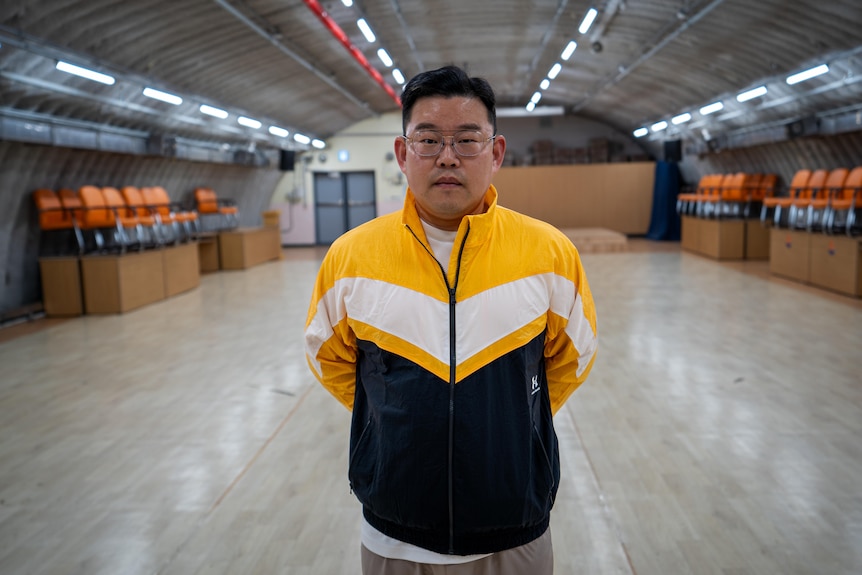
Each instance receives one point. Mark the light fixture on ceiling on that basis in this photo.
(711, 108)
(807, 74)
(277, 131)
(640, 132)
(531, 106)
(555, 69)
(751, 94)
(399, 77)
(588, 20)
(535, 111)
(545, 84)
(658, 126)
(302, 138)
(569, 50)
(162, 96)
(248, 122)
(347, 3)
(211, 111)
(85, 73)
(681, 119)
(319, 144)
(536, 97)
(366, 30)
(384, 57)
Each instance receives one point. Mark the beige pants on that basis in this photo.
(534, 558)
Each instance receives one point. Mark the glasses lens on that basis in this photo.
(469, 143)
(430, 143)
(427, 143)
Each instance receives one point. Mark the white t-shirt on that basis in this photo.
(441, 242)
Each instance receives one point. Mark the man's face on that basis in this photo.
(447, 186)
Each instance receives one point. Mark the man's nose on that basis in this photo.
(447, 155)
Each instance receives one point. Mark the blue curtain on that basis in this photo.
(664, 222)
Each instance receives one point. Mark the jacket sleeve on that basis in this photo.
(570, 348)
(330, 345)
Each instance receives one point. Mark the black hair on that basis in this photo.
(447, 81)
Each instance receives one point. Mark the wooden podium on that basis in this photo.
(246, 247)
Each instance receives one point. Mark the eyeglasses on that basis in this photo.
(465, 143)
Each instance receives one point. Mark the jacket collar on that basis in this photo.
(480, 224)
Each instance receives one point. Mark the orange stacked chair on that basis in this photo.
(815, 189)
(816, 208)
(686, 203)
(183, 224)
(225, 211)
(149, 229)
(734, 196)
(133, 232)
(707, 204)
(759, 189)
(57, 223)
(104, 216)
(841, 211)
(774, 210)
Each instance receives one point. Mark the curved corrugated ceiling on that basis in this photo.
(275, 61)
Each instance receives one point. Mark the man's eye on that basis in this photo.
(429, 141)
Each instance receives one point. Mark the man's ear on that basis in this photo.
(499, 151)
(400, 151)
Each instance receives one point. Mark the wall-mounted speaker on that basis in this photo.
(286, 160)
(162, 145)
(673, 150)
(808, 126)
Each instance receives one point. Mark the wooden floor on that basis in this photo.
(720, 432)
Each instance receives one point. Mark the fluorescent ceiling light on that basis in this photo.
(715, 107)
(301, 138)
(319, 144)
(681, 119)
(751, 94)
(536, 97)
(807, 74)
(536, 111)
(588, 20)
(531, 106)
(162, 96)
(658, 126)
(85, 73)
(640, 132)
(210, 111)
(570, 49)
(280, 132)
(248, 122)
(555, 69)
(399, 77)
(384, 57)
(347, 3)
(545, 84)
(366, 30)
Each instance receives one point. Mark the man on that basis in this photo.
(453, 330)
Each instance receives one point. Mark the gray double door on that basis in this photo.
(342, 201)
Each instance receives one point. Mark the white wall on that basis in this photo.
(369, 147)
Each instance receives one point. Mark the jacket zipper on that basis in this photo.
(452, 363)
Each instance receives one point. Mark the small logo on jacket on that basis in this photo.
(535, 385)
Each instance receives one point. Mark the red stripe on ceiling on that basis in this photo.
(339, 34)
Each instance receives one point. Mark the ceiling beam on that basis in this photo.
(299, 59)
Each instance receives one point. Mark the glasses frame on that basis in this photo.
(411, 141)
